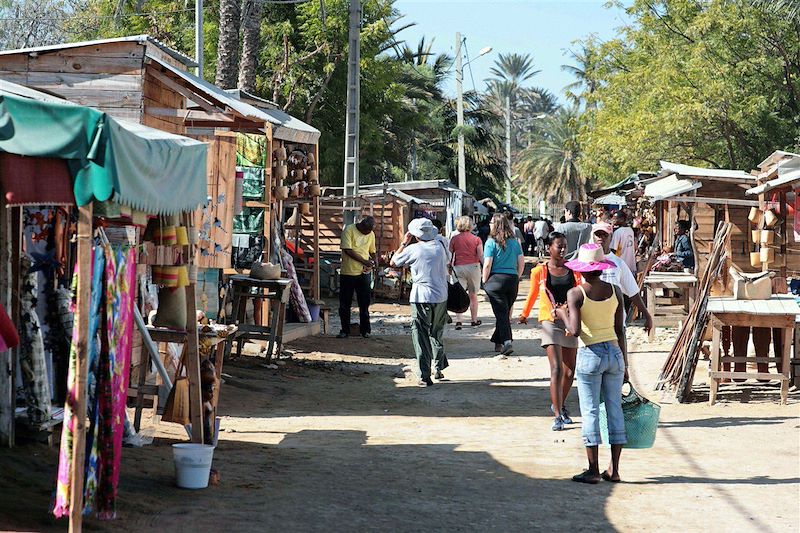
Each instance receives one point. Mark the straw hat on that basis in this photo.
(590, 258)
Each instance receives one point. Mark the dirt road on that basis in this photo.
(339, 438)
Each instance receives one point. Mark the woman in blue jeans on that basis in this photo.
(594, 313)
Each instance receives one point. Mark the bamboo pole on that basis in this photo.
(82, 366)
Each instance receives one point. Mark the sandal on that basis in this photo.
(586, 477)
(607, 477)
(476, 323)
(458, 325)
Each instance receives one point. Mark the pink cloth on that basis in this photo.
(465, 248)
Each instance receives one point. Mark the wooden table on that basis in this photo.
(221, 337)
(276, 291)
(686, 283)
(780, 311)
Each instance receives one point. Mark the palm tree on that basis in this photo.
(584, 71)
(552, 162)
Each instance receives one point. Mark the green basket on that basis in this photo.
(641, 420)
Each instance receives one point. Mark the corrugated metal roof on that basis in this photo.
(215, 93)
(669, 186)
(700, 172)
(27, 92)
(142, 39)
(285, 126)
(790, 178)
(776, 156)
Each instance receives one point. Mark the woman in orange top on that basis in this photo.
(552, 280)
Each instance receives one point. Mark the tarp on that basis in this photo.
(141, 167)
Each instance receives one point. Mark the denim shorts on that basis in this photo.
(600, 372)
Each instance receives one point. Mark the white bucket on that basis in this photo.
(192, 464)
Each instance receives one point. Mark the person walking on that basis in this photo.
(503, 264)
(358, 260)
(428, 259)
(623, 241)
(621, 276)
(467, 253)
(552, 280)
(530, 239)
(540, 231)
(577, 232)
(594, 313)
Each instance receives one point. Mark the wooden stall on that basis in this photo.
(108, 171)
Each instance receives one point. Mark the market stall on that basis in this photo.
(107, 176)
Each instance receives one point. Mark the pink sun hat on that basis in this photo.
(590, 258)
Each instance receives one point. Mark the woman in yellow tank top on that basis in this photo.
(594, 313)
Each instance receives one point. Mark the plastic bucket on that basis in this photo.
(313, 310)
(192, 464)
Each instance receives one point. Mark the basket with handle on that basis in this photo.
(641, 419)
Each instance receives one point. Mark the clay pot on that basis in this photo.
(755, 259)
(261, 270)
(311, 174)
(310, 159)
(305, 209)
(767, 254)
(280, 153)
(280, 172)
(767, 236)
(281, 193)
(314, 189)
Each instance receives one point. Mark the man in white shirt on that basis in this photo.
(621, 276)
(540, 234)
(623, 241)
(428, 259)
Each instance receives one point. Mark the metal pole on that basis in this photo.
(353, 112)
(462, 172)
(198, 36)
(508, 149)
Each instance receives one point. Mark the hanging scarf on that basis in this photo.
(31, 351)
(64, 481)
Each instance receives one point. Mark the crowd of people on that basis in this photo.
(585, 287)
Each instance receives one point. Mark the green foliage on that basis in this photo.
(713, 83)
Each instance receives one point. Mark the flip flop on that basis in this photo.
(607, 477)
(458, 325)
(476, 323)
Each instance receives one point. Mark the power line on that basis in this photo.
(71, 15)
(469, 64)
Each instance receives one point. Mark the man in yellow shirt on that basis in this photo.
(358, 260)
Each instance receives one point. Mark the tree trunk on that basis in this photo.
(251, 29)
(228, 44)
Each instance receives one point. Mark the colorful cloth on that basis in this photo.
(31, 351)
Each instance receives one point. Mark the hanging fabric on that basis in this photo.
(8, 332)
(64, 480)
(31, 352)
(297, 300)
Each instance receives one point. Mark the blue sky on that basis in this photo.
(544, 28)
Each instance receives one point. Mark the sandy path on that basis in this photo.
(340, 439)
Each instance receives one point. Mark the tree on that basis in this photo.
(552, 161)
(228, 43)
(584, 73)
(248, 65)
(712, 83)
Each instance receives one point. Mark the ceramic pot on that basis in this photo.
(314, 189)
(280, 172)
(305, 209)
(281, 193)
(311, 174)
(280, 153)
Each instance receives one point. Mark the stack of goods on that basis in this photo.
(763, 237)
(165, 250)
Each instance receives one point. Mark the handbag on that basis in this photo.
(457, 297)
(176, 408)
(641, 420)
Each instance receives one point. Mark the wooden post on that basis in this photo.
(82, 366)
(315, 290)
(193, 349)
(7, 403)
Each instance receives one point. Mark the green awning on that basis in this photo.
(144, 168)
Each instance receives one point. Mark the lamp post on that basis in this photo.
(462, 170)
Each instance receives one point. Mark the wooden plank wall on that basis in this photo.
(106, 76)
(158, 95)
(221, 180)
(331, 224)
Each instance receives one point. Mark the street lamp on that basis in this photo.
(462, 171)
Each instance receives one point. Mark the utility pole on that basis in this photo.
(462, 171)
(352, 119)
(198, 36)
(508, 149)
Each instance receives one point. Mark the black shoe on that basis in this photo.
(587, 476)
(425, 382)
(366, 335)
(342, 335)
(439, 375)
